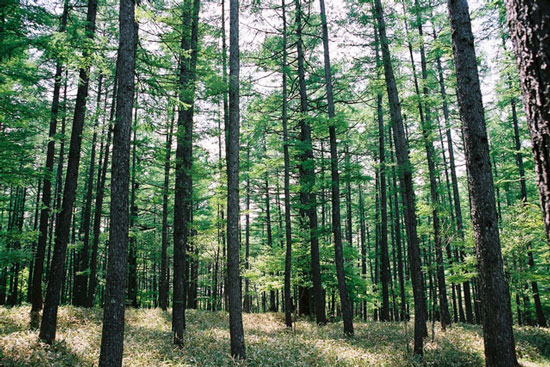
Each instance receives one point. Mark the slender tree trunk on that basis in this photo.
(529, 23)
(112, 335)
(286, 158)
(497, 315)
(100, 194)
(36, 298)
(384, 257)
(406, 183)
(427, 131)
(397, 231)
(347, 312)
(232, 156)
(81, 277)
(57, 276)
(307, 177)
(132, 246)
(164, 282)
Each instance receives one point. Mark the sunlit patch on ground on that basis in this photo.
(148, 342)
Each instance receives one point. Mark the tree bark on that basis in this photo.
(184, 158)
(112, 335)
(529, 23)
(232, 156)
(286, 158)
(36, 297)
(406, 183)
(347, 312)
(307, 177)
(497, 315)
(56, 275)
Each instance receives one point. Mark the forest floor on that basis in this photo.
(148, 342)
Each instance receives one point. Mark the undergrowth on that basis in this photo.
(148, 342)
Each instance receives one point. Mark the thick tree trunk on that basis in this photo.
(112, 335)
(232, 156)
(529, 23)
(347, 312)
(57, 276)
(497, 315)
(407, 190)
(184, 158)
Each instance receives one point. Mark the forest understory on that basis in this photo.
(147, 342)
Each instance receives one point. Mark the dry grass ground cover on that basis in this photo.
(148, 342)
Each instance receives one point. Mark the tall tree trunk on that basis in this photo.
(454, 183)
(286, 158)
(384, 257)
(184, 156)
(81, 277)
(36, 298)
(57, 276)
(529, 23)
(232, 156)
(112, 334)
(307, 177)
(406, 183)
(347, 312)
(497, 315)
(427, 135)
(531, 260)
(132, 246)
(100, 194)
(164, 282)
(397, 231)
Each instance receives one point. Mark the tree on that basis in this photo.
(38, 271)
(232, 156)
(495, 298)
(406, 184)
(529, 23)
(336, 218)
(112, 334)
(184, 160)
(56, 275)
(307, 176)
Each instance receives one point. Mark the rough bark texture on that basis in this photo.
(112, 335)
(529, 23)
(347, 313)
(183, 189)
(57, 269)
(406, 183)
(495, 298)
(232, 156)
